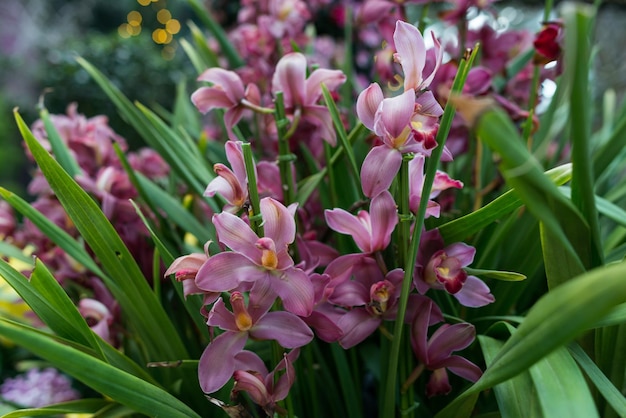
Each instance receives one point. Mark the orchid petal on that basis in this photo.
(323, 121)
(384, 216)
(474, 293)
(379, 169)
(248, 360)
(462, 252)
(217, 363)
(428, 105)
(357, 325)
(252, 384)
(224, 271)
(237, 235)
(234, 154)
(225, 80)
(394, 114)
(438, 59)
(284, 327)
(331, 78)
(220, 316)
(191, 262)
(325, 327)
(295, 290)
(438, 384)
(411, 53)
(278, 223)
(231, 117)
(464, 368)
(289, 77)
(350, 293)
(367, 104)
(209, 98)
(345, 223)
(446, 340)
(286, 380)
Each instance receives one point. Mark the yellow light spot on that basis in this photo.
(160, 36)
(134, 30)
(172, 26)
(144, 2)
(134, 18)
(163, 16)
(123, 30)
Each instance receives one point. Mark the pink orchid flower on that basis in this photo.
(227, 92)
(411, 54)
(436, 353)
(231, 184)
(416, 183)
(218, 361)
(185, 269)
(371, 230)
(259, 260)
(261, 386)
(301, 94)
(440, 267)
(99, 318)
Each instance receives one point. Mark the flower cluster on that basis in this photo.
(37, 388)
(276, 280)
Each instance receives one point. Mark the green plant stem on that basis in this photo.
(285, 157)
(404, 210)
(388, 409)
(254, 213)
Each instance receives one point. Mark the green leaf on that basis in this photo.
(555, 320)
(466, 226)
(507, 276)
(83, 406)
(612, 395)
(11, 251)
(125, 279)
(561, 387)
(110, 381)
(59, 148)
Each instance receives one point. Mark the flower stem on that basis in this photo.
(285, 157)
(388, 408)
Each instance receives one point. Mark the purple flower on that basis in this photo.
(38, 388)
(440, 267)
(218, 363)
(371, 230)
(416, 183)
(265, 261)
(301, 94)
(436, 353)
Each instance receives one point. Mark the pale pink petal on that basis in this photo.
(443, 182)
(367, 104)
(217, 363)
(379, 169)
(220, 316)
(411, 53)
(320, 116)
(384, 216)
(286, 380)
(234, 154)
(295, 290)
(438, 59)
(252, 384)
(208, 98)
(394, 114)
(225, 80)
(190, 262)
(278, 223)
(237, 235)
(474, 293)
(224, 271)
(461, 251)
(231, 117)
(284, 327)
(345, 223)
(290, 78)
(331, 78)
(357, 325)
(428, 105)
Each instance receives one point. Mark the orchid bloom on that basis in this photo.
(371, 230)
(261, 386)
(98, 317)
(411, 54)
(231, 184)
(301, 94)
(442, 268)
(227, 92)
(218, 362)
(185, 269)
(436, 353)
(259, 260)
(416, 183)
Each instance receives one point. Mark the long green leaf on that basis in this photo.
(83, 406)
(466, 226)
(110, 381)
(555, 320)
(128, 284)
(59, 148)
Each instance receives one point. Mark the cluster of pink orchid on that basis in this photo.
(255, 288)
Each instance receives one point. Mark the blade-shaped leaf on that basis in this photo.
(83, 406)
(110, 381)
(127, 282)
